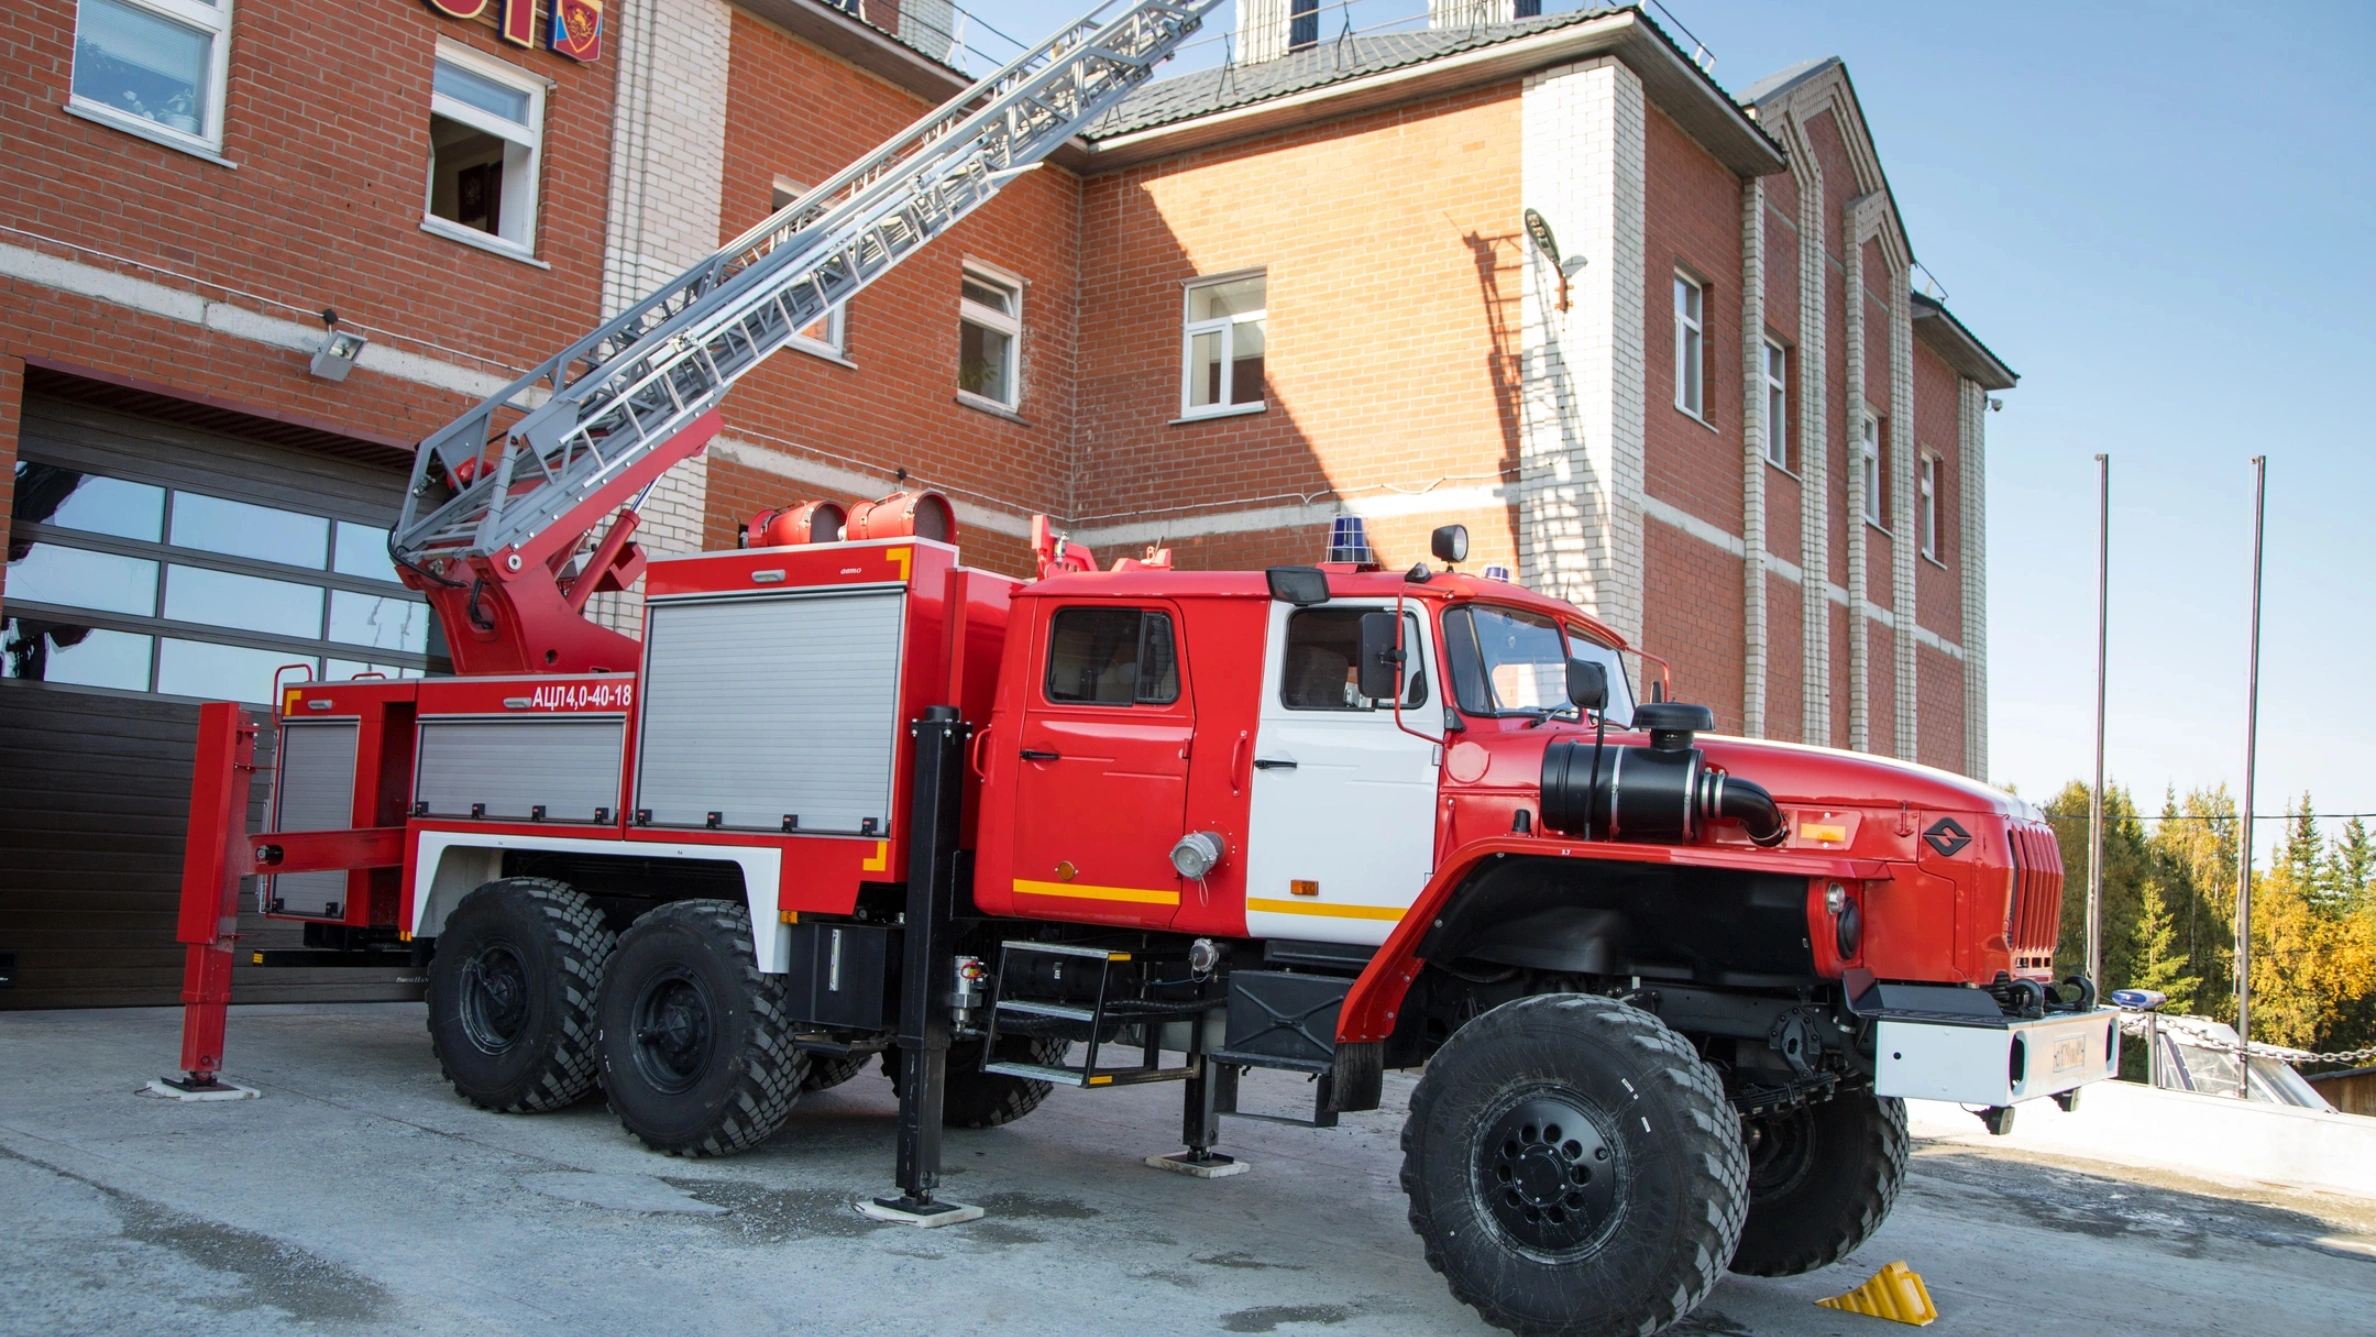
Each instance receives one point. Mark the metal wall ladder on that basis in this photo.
(550, 443)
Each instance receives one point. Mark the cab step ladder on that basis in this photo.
(1094, 1024)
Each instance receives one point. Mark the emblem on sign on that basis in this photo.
(577, 28)
(1947, 837)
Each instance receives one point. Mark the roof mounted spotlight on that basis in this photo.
(336, 357)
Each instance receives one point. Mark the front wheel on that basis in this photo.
(1821, 1180)
(696, 1044)
(1574, 1169)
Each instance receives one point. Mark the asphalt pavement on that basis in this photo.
(359, 1195)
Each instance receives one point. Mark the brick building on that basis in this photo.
(1654, 343)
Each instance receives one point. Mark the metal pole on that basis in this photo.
(2260, 480)
(2095, 798)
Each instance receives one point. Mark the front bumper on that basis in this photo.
(1995, 1065)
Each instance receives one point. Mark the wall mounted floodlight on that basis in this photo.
(1539, 232)
(336, 357)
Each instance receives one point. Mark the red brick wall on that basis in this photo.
(1691, 221)
(1392, 317)
(327, 117)
(1938, 585)
(1786, 648)
(798, 113)
(1692, 599)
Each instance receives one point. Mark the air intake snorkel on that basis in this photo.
(1665, 792)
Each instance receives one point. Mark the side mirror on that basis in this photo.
(1381, 664)
(1587, 684)
(1449, 543)
(1302, 586)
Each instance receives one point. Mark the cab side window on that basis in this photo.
(1323, 650)
(1112, 657)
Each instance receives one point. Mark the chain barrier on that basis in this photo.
(2197, 1033)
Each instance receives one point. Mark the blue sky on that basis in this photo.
(2156, 214)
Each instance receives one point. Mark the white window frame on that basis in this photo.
(519, 188)
(833, 345)
(971, 312)
(1926, 513)
(1776, 374)
(214, 20)
(1226, 326)
(1691, 347)
(1869, 459)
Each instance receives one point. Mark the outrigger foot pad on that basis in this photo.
(908, 1212)
(185, 1088)
(1211, 1165)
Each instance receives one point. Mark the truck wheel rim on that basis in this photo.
(675, 1035)
(494, 998)
(1547, 1175)
(1781, 1151)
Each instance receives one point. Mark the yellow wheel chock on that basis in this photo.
(1895, 1292)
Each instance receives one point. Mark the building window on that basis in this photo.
(1690, 301)
(1223, 342)
(1869, 461)
(1926, 507)
(1777, 405)
(125, 584)
(156, 67)
(989, 335)
(825, 335)
(486, 134)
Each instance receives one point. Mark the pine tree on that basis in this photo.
(2194, 857)
(2352, 868)
(2161, 962)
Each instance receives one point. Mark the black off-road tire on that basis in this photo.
(1574, 1169)
(512, 992)
(977, 1099)
(696, 1044)
(826, 1072)
(1821, 1180)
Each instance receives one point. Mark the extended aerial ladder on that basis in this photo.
(502, 500)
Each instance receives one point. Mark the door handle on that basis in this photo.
(1273, 764)
(1034, 754)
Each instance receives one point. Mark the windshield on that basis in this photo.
(1504, 661)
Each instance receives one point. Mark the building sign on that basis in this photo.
(576, 30)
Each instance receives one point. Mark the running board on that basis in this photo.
(1084, 1078)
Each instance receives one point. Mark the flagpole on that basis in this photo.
(2095, 800)
(2260, 479)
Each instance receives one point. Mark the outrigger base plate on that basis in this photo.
(900, 1211)
(182, 1088)
(1212, 1166)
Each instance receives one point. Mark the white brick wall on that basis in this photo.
(1581, 408)
(1852, 300)
(1972, 561)
(1904, 451)
(668, 164)
(1468, 13)
(1753, 445)
(1814, 434)
(1261, 31)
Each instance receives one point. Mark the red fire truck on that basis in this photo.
(847, 797)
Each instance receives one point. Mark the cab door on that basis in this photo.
(1102, 782)
(1342, 836)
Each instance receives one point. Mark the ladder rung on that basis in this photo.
(1101, 1077)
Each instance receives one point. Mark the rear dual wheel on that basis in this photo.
(695, 1043)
